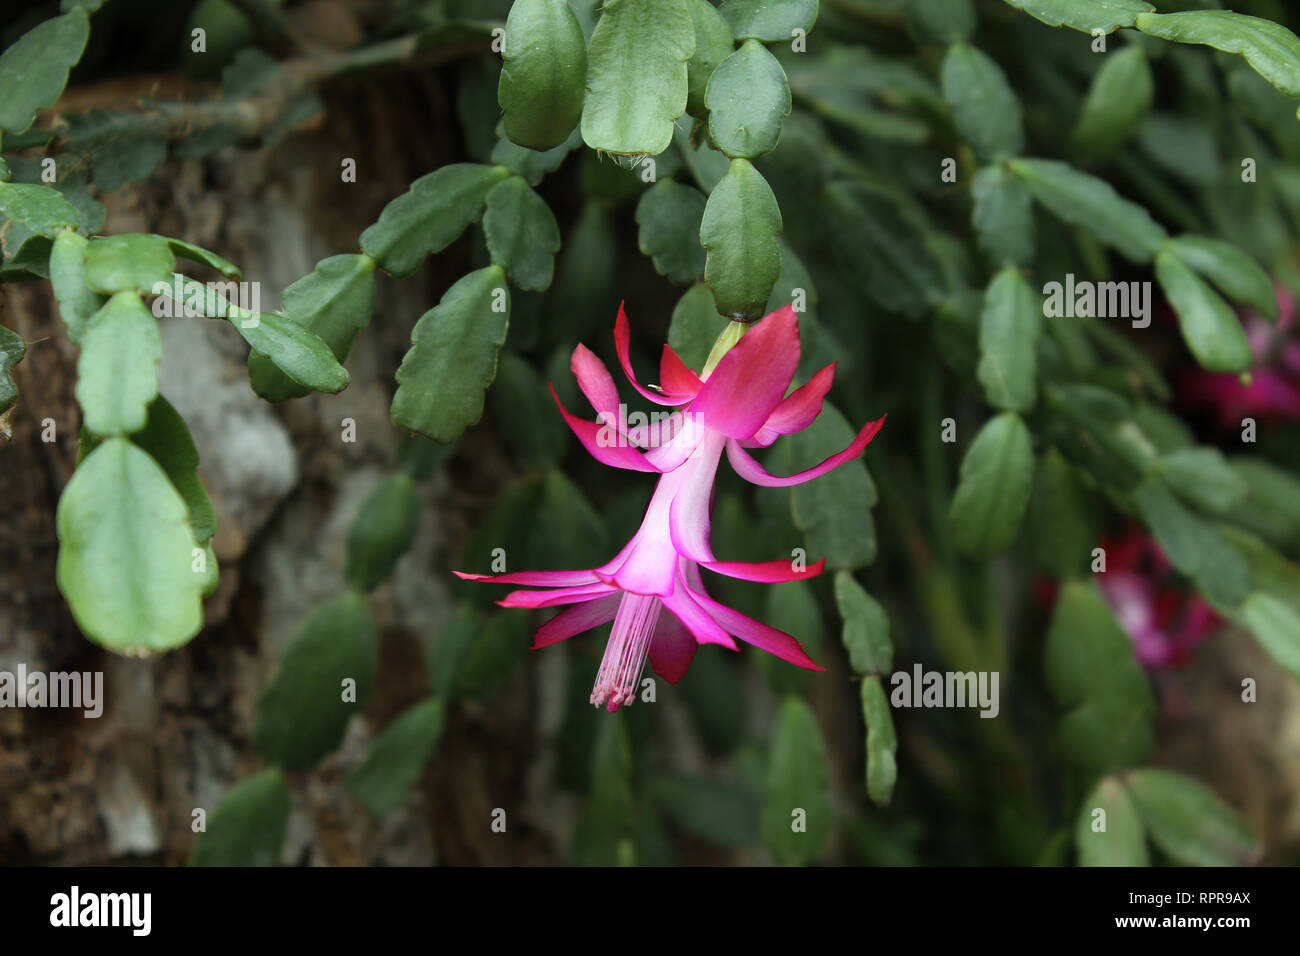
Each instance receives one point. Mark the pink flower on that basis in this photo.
(1165, 623)
(1274, 390)
(741, 404)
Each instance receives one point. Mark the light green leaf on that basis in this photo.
(1085, 15)
(1063, 518)
(522, 236)
(747, 98)
(167, 439)
(1009, 329)
(429, 216)
(713, 44)
(397, 758)
(796, 821)
(882, 744)
(1271, 49)
(543, 73)
(986, 110)
(77, 302)
(695, 326)
(381, 532)
(669, 215)
(293, 348)
(1238, 275)
(248, 826)
(1188, 822)
(771, 21)
(1203, 478)
(866, 627)
(188, 250)
(335, 301)
(524, 412)
(128, 263)
(1118, 98)
(1209, 326)
(41, 209)
(636, 75)
(125, 553)
(35, 69)
(325, 676)
(1115, 837)
(1003, 217)
(1092, 203)
(1276, 626)
(1195, 546)
(739, 231)
(453, 357)
(117, 372)
(12, 350)
(993, 493)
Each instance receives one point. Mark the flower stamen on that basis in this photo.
(626, 652)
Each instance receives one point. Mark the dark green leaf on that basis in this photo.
(866, 627)
(248, 826)
(381, 532)
(1271, 49)
(1195, 547)
(397, 758)
(695, 326)
(12, 350)
(723, 813)
(1063, 518)
(35, 69)
(1085, 15)
(1188, 822)
(522, 236)
(713, 44)
(1235, 273)
(1209, 326)
(747, 98)
(40, 208)
(986, 110)
(996, 477)
(1203, 478)
(669, 215)
(1003, 217)
(771, 21)
(293, 348)
(1009, 330)
(739, 230)
(796, 821)
(1119, 97)
(543, 71)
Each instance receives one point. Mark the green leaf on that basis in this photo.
(12, 350)
(636, 75)
(381, 532)
(1094, 428)
(986, 110)
(120, 147)
(1209, 326)
(40, 208)
(1085, 15)
(125, 552)
(325, 676)
(455, 637)
(294, 349)
(1276, 626)
(453, 357)
(77, 302)
(35, 69)
(713, 44)
(167, 439)
(796, 821)
(669, 216)
(429, 216)
(791, 607)
(833, 510)
(866, 627)
(397, 758)
(1009, 329)
(117, 372)
(603, 834)
(248, 826)
(739, 231)
(1003, 217)
(940, 22)
(882, 744)
(1203, 478)
(128, 263)
(876, 245)
(771, 21)
(1238, 275)
(996, 478)
(543, 73)
(1116, 838)
(529, 163)
(1195, 547)
(334, 301)
(747, 98)
(695, 326)
(724, 814)
(492, 657)
(526, 415)
(1063, 518)
(1188, 822)
(1271, 49)
(522, 236)
(188, 250)
(1119, 97)
(1092, 203)
(1091, 670)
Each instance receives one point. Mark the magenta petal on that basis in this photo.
(675, 377)
(622, 339)
(752, 377)
(575, 620)
(672, 649)
(604, 442)
(760, 635)
(801, 406)
(535, 578)
(752, 471)
(766, 571)
(585, 592)
(704, 628)
(688, 516)
(596, 382)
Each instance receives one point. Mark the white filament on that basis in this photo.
(626, 652)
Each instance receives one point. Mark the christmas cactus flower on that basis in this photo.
(652, 589)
